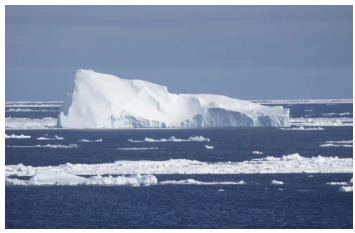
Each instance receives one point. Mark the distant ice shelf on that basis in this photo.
(106, 101)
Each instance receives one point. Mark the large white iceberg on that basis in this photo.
(106, 101)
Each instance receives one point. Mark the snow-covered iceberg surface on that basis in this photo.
(293, 163)
(106, 101)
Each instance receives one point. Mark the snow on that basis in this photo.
(49, 146)
(209, 147)
(293, 163)
(30, 123)
(106, 101)
(346, 189)
(84, 140)
(63, 178)
(55, 138)
(277, 182)
(173, 139)
(302, 128)
(192, 181)
(16, 136)
(141, 148)
(257, 152)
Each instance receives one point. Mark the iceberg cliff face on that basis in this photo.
(106, 101)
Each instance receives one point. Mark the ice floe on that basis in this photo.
(346, 189)
(334, 114)
(63, 178)
(305, 101)
(302, 128)
(209, 147)
(49, 146)
(344, 121)
(173, 139)
(84, 140)
(30, 123)
(192, 181)
(337, 183)
(16, 136)
(137, 148)
(335, 145)
(257, 152)
(33, 105)
(293, 163)
(28, 110)
(276, 182)
(55, 138)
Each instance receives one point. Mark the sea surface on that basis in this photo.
(304, 201)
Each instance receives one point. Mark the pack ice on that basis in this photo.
(106, 101)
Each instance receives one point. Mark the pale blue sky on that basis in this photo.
(245, 52)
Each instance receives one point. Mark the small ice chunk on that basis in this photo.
(346, 189)
(209, 147)
(276, 182)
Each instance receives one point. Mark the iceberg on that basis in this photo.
(106, 101)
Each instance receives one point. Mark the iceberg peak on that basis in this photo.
(106, 101)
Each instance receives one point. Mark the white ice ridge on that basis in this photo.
(302, 128)
(55, 138)
(16, 136)
(257, 152)
(293, 163)
(84, 140)
(276, 182)
(173, 139)
(192, 181)
(30, 123)
(341, 121)
(305, 101)
(28, 110)
(209, 147)
(139, 148)
(49, 146)
(63, 178)
(106, 101)
(346, 189)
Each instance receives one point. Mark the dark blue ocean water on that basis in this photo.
(303, 202)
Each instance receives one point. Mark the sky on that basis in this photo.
(244, 52)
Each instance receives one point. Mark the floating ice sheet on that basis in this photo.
(55, 138)
(16, 136)
(49, 146)
(302, 128)
(293, 163)
(30, 123)
(173, 139)
(192, 181)
(84, 140)
(343, 121)
(139, 148)
(28, 110)
(63, 178)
